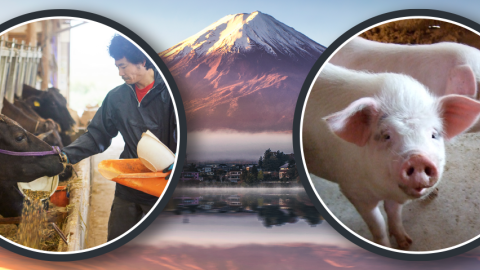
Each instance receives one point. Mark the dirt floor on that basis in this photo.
(101, 197)
(422, 32)
(445, 221)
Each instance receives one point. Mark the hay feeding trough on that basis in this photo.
(69, 222)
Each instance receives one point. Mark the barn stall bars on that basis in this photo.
(18, 66)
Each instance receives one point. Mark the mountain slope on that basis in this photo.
(243, 72)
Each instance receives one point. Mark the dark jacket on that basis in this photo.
(121, 112)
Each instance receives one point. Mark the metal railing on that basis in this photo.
(18, 66)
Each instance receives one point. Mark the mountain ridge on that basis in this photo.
(243, 72)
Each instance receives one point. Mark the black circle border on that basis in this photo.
(182, 139)
(297, 123)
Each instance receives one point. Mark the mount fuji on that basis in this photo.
(243, 72)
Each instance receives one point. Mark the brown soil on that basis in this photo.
(418, 31)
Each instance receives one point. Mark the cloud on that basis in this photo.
(336, 264)
(164, 264)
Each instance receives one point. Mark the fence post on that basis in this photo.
(28, 67)
(38, 56)
(12, 72)
(6, 53)
(21, 69)
(17, 66)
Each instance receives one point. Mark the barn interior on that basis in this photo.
(451, 218)
(57, 54)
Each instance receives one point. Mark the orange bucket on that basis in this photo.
(132, 173)
(59, 198)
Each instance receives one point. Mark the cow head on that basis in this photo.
(48, 131)
(51, 104)
(24, 168)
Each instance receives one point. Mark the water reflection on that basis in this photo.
(272, 206)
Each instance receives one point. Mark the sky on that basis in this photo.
(165, 23)
(207, 145)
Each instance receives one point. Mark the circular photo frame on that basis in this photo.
(359, 103)
(21, 65)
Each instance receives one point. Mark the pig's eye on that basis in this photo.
(386, 137)
(435, 136)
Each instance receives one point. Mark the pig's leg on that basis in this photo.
(395, 224)
(371, 214)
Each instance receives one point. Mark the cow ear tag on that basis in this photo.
(36, 103)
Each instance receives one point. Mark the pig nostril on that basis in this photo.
(410, 171)
(428, 171)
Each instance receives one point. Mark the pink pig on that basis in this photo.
(381, 138)
(445, 68)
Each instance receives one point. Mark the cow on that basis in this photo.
(50, 135)
(16, 169)
(49, 104)
(47, 129)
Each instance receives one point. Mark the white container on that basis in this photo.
(41, 184)
(153, 153)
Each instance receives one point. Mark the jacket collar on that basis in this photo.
(156, 89)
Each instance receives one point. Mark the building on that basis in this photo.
(234, 200)
(234, 176)
(222, 167)
(187, 176)
(187, 201)
(283, 171)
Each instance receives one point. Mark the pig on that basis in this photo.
(380, 137)
(444, 68)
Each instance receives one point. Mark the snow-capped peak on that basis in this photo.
(244, 32)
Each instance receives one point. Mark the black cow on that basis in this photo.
(15, 169)
(53, 138)
(49, 104)
(37, 126)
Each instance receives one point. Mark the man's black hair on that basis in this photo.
(120, 47)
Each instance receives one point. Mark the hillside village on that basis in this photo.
(273, 167)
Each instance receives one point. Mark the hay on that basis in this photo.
(34, 219)
(69, 219)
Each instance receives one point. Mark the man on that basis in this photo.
(142, 103)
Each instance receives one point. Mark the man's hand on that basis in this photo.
(64, 158)
(168, 169)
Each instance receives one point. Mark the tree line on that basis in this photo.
(269, 161)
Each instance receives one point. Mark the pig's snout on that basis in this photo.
(417, 173)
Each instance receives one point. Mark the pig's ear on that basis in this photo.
(353, 123)
(461, 81)
(458, 113)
